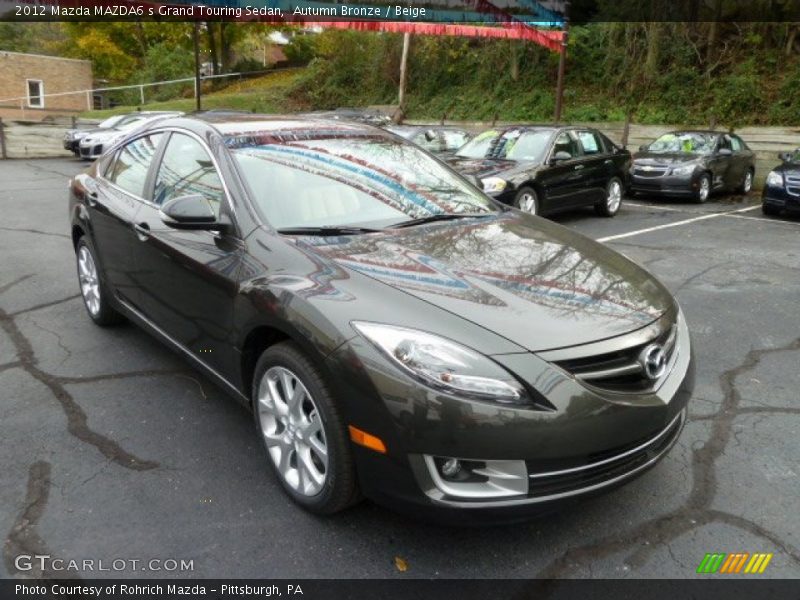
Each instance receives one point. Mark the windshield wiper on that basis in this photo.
(439, 217)
(327, 230)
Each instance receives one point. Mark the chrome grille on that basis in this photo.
(621, 370)
(653, 172)
(793, 185)
(603, 469)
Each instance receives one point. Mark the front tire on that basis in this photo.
(303, 430)
(96, 297)
(770, 210)
(703, 189)
(613, 200)
(747, 183)
(527, 200)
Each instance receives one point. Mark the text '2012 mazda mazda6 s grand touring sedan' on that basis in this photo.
(397, 333)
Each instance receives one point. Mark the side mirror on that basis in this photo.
(724, 152)
(785, 156)
(430, 135)
(560, 156)
(193, 212)
(643, 148)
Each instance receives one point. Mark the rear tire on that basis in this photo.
(95, 294)
(704, 189)
(613, 200)
(527, 200)
(303, 431)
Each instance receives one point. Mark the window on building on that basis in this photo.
(35, 93)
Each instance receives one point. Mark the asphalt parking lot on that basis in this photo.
(115, 448)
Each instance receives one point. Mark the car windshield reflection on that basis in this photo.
(686, 143)
(317, 179)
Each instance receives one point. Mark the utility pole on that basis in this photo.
(562, 65)
(403, 72)
(196, 39)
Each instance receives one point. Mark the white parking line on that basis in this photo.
(764, 220)
(654, 206)
(676, 224)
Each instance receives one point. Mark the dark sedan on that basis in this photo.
(782, 187)
(546, 169)
(436, 139)
(693, 164)
(397, 333)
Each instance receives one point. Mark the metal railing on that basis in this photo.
(22, 101)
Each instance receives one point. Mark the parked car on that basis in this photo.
(93, 145)
(355, 115)
(396, 332)
(547, 168)
(782, 187)
(693, 164)
(437, 139)
(72, 137)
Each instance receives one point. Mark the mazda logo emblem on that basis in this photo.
(654, 361)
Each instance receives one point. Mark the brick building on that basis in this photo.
(26, 80)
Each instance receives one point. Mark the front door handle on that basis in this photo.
(578, 167)
(142, 231)
(91, 198)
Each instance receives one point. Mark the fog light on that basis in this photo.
(451, 467)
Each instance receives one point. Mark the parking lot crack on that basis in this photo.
(34, 232)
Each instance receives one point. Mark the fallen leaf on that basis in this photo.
(401, 564)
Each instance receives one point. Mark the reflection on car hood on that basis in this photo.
(664, 158)
(535, 283)
(481, 167)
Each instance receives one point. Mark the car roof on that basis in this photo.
(228, 124)
(700, 131)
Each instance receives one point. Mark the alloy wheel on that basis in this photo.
(90, 284)
(614, 196)
(748, 182)
(293, 431)
(705, 188)
(527, 203)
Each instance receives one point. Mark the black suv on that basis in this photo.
(547, 168)
(782, 188)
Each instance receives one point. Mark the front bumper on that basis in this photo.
(91, 151)
(780, 198)
(584, 442)
(665, 185)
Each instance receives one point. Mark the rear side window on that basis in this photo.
(566, 143)
(591, 142)
(129, 170)
(187, 169)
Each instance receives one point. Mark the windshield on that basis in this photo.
(479, 146)
(327, 178)
(528, 146)
(111, 121)
(687, 143)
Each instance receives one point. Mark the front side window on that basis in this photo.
(187, 169)
(566, 143)
(736, 144)
(129, 170)
(35, 93)
(319, 178)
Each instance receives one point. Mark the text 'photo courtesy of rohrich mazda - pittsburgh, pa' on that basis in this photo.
(478, 298)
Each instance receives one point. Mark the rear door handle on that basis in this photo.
(142, 231)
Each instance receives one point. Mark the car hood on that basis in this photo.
(481, 167)
(664, 158)
(791, 169)
(529, 280)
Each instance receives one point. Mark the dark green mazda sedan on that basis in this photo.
(396, 333)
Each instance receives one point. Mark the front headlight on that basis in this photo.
(775, 179)
(683, 170)
(493, 185)
(444, 365)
